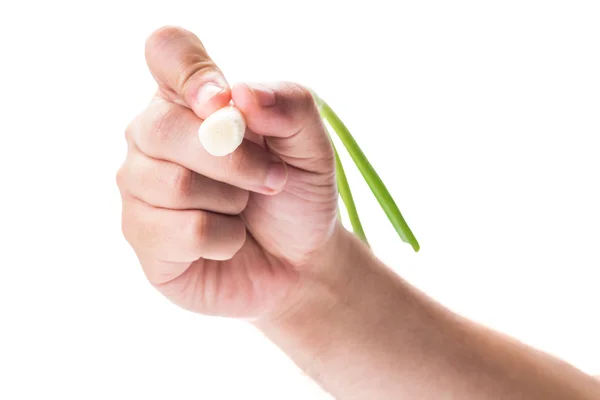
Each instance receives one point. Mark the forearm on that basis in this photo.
(363, 333)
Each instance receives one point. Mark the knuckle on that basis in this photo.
(129, 132)
(198, 229)
(242, 201)
(304, 94)
(180, 183)
(300, 105)
(159, 125)
(304, 99)
(193, 66)
(121, 177)
(240, 234)
(162, 124)
(237, 239)
(132, 129)
(239, 201)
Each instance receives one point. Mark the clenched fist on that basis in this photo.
(228, 235)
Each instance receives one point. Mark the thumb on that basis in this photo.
(287, 117)
(184, 72)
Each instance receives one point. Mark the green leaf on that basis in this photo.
(375, 183)
(346, 195)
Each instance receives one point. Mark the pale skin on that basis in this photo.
(255, 235)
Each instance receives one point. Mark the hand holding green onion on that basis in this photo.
(234, 189)
(230, 201)
(222, 132)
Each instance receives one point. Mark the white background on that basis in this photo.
(482, 117)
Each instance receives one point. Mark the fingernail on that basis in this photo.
(264, 95)
(207, 92)
(276, 176)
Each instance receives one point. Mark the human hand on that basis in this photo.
(229, 235)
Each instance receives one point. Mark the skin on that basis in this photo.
(255, 235)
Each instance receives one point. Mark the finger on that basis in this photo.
(180, 236)
(169, 132)
(167, 185)
(159, 272)
(184, 71)
(287, 115)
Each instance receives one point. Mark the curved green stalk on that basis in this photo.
(368, 172)
(346, 195)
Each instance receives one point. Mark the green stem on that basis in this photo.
(346, 195)
(368, 172)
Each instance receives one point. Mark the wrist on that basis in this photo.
(321, 280)
(356, 327)
(334, 307)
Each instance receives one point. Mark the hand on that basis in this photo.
(226, 235)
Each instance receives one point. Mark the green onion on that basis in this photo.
(375, 183)
(346, 195)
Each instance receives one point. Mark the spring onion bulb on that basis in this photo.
(223, 131)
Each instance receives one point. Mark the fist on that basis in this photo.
(230, 235)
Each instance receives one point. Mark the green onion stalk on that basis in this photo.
(373, 180)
